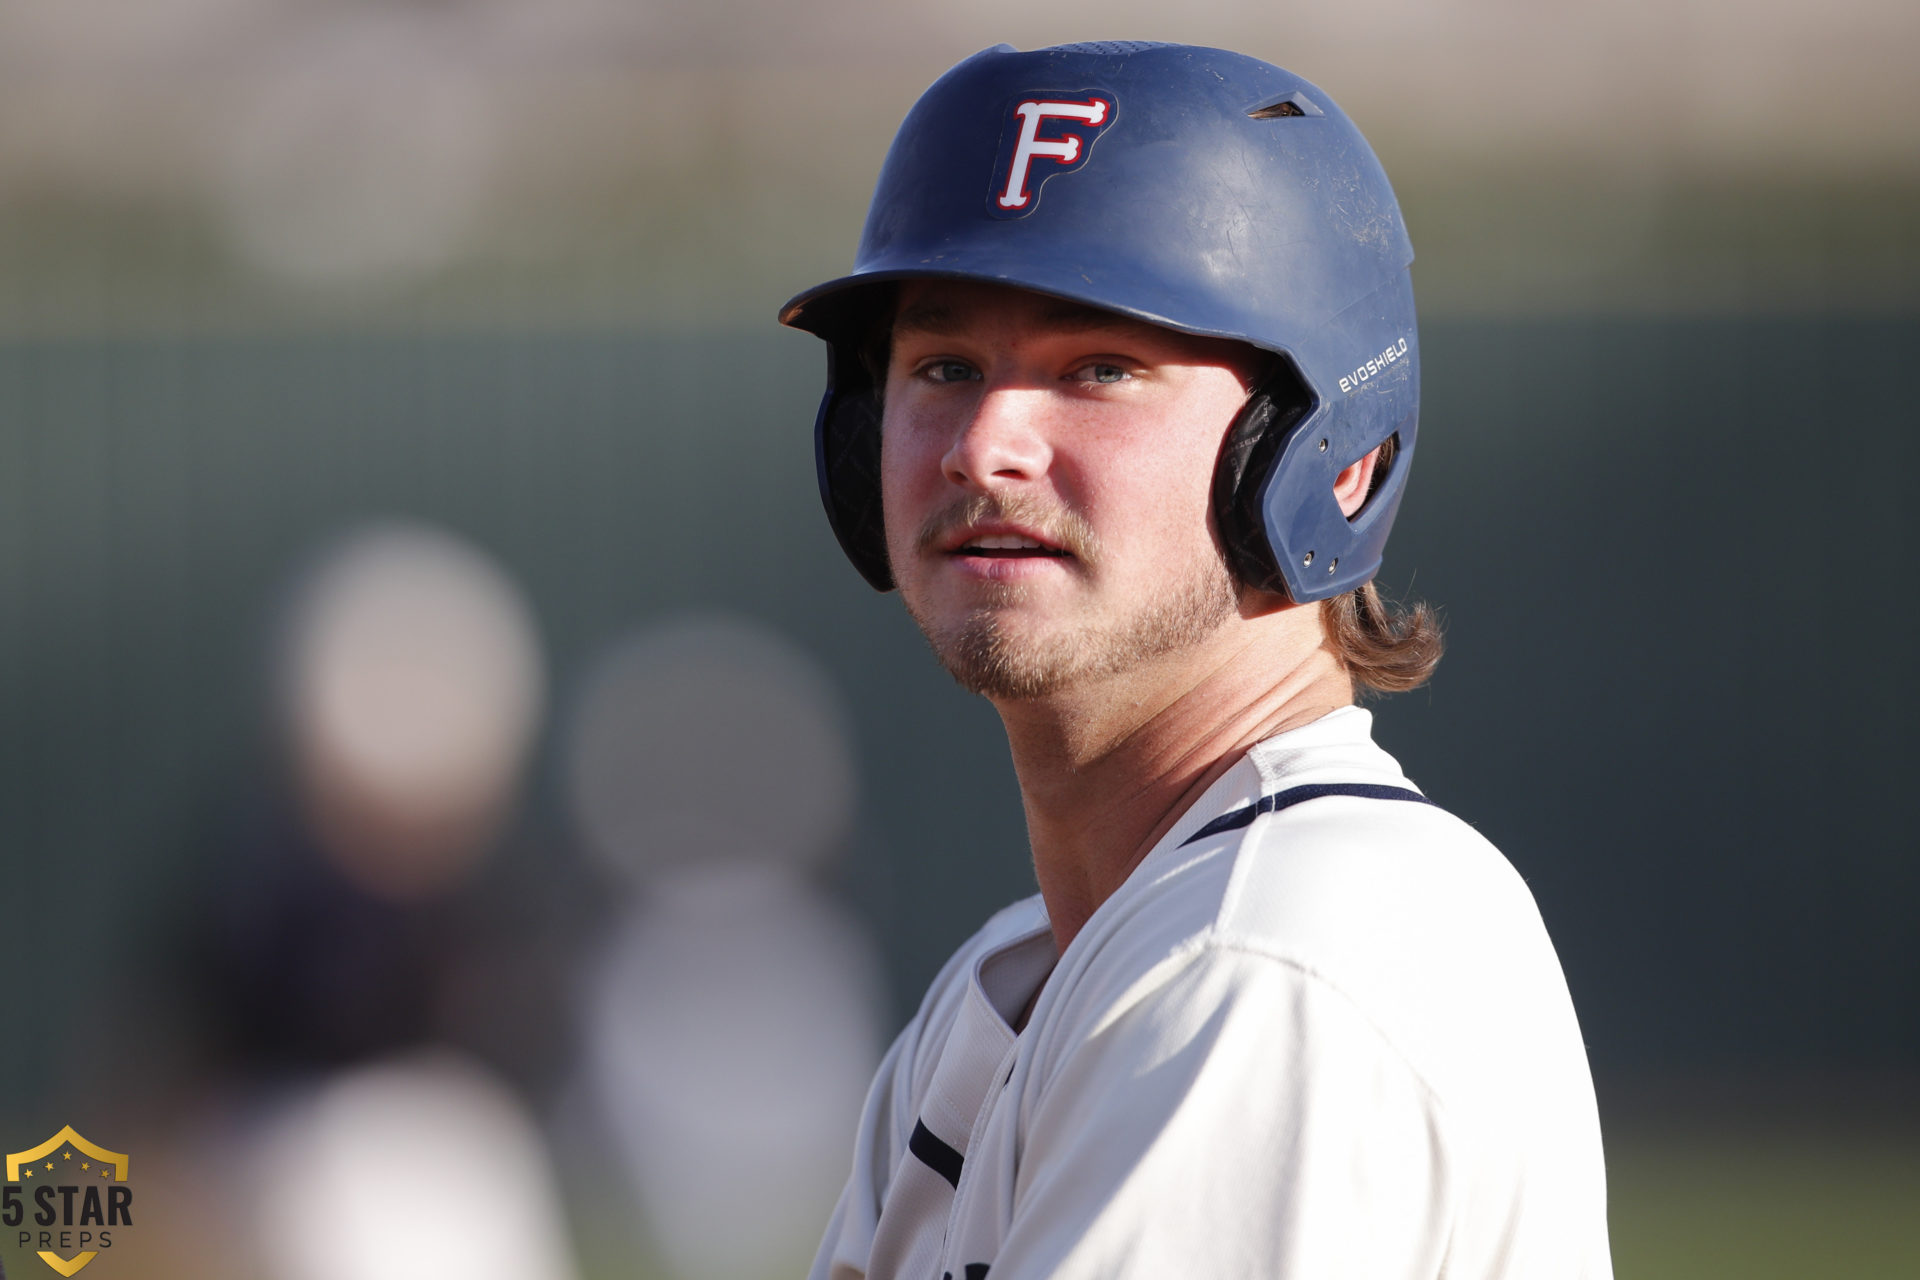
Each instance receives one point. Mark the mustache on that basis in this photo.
(1058, 524)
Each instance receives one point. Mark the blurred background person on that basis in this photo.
(346, 968)
(733, 1016)
(408, 689)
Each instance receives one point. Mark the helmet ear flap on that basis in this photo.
(846, 456)
(1277, 403)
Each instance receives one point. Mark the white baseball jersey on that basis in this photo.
(1319, 1032)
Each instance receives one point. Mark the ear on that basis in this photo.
(1351, 486)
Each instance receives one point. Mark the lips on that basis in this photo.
(1008, 537)
(1003, 543)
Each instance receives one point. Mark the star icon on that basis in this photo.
(66, 1155)
(106, 1173)
(85, 1165)
(49, 1164)
(28, 1172)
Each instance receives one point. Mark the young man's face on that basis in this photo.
(1046, 472)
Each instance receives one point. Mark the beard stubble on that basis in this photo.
(987, 656)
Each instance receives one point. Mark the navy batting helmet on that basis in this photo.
(1193, 188)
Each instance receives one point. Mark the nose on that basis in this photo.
(1002, 442)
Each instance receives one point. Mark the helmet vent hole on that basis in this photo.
(1307, 558)
(1323, 446)
(1389, 454)
(1334, 565)
(1294, 104)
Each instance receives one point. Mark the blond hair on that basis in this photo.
(1384, 647)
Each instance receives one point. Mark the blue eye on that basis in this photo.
(1102, 373)
(949, 371)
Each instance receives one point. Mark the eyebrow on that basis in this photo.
(939, 318)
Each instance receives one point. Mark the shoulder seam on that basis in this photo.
(1263, 824)
(1280, 801)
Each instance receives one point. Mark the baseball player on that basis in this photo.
(1122, 395)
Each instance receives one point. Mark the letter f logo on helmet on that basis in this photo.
(1015, 190)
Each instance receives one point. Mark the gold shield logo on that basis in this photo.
(66, 1194)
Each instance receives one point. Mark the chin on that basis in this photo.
(995, 651)
(989, 647)
(987, 657)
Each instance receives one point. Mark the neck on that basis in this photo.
(1108, 766)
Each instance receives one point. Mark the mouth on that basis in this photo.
(1003, 544)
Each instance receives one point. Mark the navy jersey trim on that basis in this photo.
(935, 1154)
(1298, 795)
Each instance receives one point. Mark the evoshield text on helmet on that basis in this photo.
(1193, 188)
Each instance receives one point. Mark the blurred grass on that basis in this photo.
(1764, 1206)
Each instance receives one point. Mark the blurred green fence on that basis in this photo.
(1675, 557)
